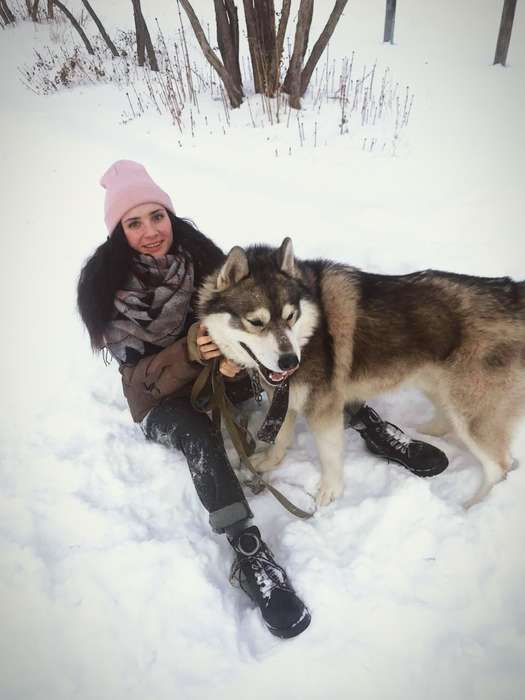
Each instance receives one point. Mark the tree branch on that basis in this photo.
(77, 26)
(234, 94)
(321, 43)
(111, 46)
(292, 82)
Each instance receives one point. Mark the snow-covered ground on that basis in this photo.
(111, 585)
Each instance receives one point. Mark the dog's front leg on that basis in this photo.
(270, 458)
(329, 436)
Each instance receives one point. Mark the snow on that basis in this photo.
(111, 584)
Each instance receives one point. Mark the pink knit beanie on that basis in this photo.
(127, 185)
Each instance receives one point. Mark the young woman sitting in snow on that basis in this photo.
(135, 295)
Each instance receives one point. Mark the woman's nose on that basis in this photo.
(149, 228)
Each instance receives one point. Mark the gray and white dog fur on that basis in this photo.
(354, 335)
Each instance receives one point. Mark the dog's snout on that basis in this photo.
(288, 361)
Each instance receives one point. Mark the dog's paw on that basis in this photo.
(266, 460)
(329, 490)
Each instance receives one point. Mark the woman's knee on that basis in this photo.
(174, 422)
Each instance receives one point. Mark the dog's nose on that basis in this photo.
(288, 361)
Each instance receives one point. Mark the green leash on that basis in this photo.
(222, 409)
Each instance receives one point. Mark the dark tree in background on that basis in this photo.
(6, 15)
(228, 37)
(77, 26)
(321, 44)
(111, 46)
(505, 30)
(292, 82)
(265, 42)
(390, 19)
(232, 86)
(32, 9)
(144, 42)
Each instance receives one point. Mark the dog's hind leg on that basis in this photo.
(329, 435)
(438, 425)
(488, 439)
(270, 458)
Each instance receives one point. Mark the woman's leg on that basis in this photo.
(175, 423)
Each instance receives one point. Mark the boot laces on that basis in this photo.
(393, 435)
(267, 573)
(396, 438)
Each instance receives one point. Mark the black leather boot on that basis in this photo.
(266, 583)
(389, 441)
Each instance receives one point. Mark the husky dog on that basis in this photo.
(338, 334)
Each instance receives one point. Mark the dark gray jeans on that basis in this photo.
(175, 423)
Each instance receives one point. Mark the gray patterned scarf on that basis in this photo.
(151, 312)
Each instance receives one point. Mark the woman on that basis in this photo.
(135, 295)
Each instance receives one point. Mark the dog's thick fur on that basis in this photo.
(355, 334)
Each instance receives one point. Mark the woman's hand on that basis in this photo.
(208, 350)
(228, 368)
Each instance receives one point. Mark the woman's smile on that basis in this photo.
(147, 228)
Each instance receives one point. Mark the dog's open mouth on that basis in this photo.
(269, 375)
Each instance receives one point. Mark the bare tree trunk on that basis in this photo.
(307, 20)
(143, 38)
(390, 18)
(505, 30)
(265, 15)
(228, 38)
(235, 94)
(152, 58)
(105, 36)
(77, 26)
(292, 82)
(251, 28)
(34, 11)
(265, 44)
(50, 13)
(279, 41)
(139, 32)
(321, 43)
(7, 16)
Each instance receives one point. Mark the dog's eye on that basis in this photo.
(256, 322)
(290, 316)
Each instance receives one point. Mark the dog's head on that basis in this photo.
(259, 311)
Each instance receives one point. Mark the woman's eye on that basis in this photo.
(134, 224)
(158, 217)
(256, 322)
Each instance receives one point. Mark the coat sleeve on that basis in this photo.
(159, 375)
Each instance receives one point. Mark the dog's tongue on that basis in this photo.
(280, 376)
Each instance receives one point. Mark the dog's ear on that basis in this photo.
(285, 258)
(234, 269)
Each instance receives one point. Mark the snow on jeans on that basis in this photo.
(175, 423)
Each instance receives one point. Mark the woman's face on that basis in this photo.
(148, 229)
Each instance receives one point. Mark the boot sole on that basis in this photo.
(430, 471)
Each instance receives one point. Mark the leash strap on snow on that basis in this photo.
(209, 393)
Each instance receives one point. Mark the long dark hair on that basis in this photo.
(108, 269)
